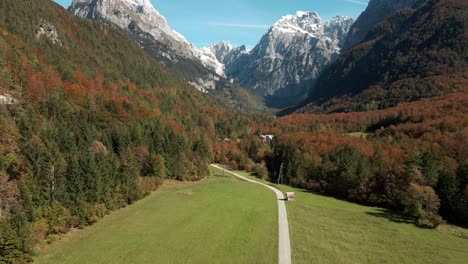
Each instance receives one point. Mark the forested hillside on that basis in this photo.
(365, 144)
(391, 125)
(411, 158)
(376, 12)
(151, 31)
(414, 54)
(91, 124)
(227, 94)
(399, 139)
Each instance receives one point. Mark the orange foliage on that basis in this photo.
(433, 108)
(174, 126)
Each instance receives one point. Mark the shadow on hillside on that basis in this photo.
(391, 216)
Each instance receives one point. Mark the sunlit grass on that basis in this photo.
(217, 220)
(328, 230)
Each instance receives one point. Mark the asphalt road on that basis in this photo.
(284, 249)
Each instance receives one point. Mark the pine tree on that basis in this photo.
(19, 222)
(130, 177)
(75, 185)
(10, 248)
(155, 166)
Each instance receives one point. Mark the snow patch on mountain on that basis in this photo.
(151, 31)
(302, 22)
(212, 56)
(140, 12)
(288, 59)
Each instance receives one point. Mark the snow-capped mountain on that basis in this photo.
(222, 56)
(213, 56)
(337, 29)
(284, 65)
(152, 32)
(221, 50)
(127, 13)
(209, 60)
(140, 18)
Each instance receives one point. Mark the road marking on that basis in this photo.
(284, 245)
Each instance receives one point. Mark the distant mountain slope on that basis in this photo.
(123, 13)
(286, 62)
(414, 54)
(145, 25)
(224, 57)
(376, 12)
(89, 123)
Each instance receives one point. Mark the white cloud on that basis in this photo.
(239, 25)
(358, 2)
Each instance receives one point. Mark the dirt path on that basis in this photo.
(284, 247)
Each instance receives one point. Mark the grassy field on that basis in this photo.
(358, 134)
(327, 230)
(218, 220)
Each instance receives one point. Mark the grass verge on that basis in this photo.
(217, 220)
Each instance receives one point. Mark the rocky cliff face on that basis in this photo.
(223, 57)
(213, 56)
(221, 50)
(145, 25)
(284, 65)
(150, 29)
(141, 13)
(414, 54)
(48, 30)
(376, 12)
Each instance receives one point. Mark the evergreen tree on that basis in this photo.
(57, 218)
(19, 222)
(10, 248)
(181, 167)
(156, 166)
(350, 168)
(75, 187)
(130, 177)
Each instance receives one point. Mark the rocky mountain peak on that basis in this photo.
(139, 13)
(337, 28)
(145, 25)
(286, 62)
(217, 56)
(221, 49)
(302, 21)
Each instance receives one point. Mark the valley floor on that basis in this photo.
(225, 220)
(217, 220)
(327, 230)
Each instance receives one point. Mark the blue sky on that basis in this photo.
(240, 21)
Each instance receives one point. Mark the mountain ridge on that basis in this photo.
(416, 53)
(140, 12)
(289, 57)
(146, 26)
(89, 123)
(376, 12)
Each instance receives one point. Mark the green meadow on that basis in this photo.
(217, 220)
(224, 220)
(328, 230)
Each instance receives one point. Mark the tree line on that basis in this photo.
(97, 125)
